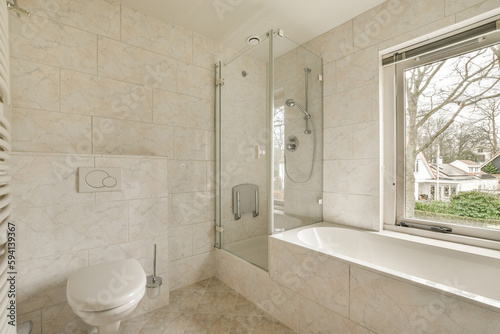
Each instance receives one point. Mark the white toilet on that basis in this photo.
(104, 294)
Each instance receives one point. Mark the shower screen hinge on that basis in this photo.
(219, 229)
(320, 78)
(219, 82)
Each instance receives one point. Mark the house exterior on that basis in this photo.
(482, 153)
(453, 178)
(495, 161)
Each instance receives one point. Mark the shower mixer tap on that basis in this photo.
(292, 143)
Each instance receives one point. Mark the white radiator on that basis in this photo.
(7, 244)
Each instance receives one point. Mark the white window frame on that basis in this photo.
(392, 129)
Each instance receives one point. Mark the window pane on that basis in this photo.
(452, 133)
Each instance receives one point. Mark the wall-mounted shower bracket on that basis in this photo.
(245, 199)
(219, 82)
(219, 229)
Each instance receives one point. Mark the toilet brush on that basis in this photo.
(153, 282)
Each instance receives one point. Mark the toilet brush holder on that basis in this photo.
(153, 282)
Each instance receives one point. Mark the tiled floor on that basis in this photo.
(206, 307)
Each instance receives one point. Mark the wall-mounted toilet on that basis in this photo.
(104, 294)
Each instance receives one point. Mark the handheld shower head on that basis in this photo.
(291, 103)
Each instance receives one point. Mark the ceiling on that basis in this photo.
(230, 22)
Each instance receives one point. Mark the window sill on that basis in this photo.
(451, 241)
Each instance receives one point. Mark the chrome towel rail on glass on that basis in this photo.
(245, 199)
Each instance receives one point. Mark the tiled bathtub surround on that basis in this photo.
(313, 292)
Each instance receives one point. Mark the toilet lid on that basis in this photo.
(106, 285)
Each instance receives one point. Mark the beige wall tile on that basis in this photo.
(330, 178)
(141, 178)
(393, 18)
(34, 85)
(206, 52)
(131, 138)
(193, 144)
(35, 176)
(128, 63)
(141, 250)
(190, 208)
(43, 131)
(358, 69)
(196, 81)
(63, 229)
(101, 17)
(477, 9)
(147, 218)
(365, 140)
(348, 107)
(186, 176)
(203, 237)
(156, 35)
(311, 274)
(329, 82)
(180, 242)
(334, 44)
(182, 110)
(42, 282)
(44, 41)
(360, 176)
(453, 6)
(354, 210)
(92, 95)
(187, 271)
(386, 305)
(338, 142)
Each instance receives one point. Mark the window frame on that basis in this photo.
(392, 124)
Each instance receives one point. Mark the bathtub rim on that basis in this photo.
(291, 236)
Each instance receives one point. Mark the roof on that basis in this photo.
(469, 162)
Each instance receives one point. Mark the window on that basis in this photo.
(444, 103)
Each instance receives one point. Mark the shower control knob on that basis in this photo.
(291, 146)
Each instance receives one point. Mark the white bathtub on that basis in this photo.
(465, 271)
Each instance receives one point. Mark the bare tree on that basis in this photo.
(487, 121)
(443, 91)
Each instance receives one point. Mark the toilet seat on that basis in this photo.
(108, 316)
(106, 286)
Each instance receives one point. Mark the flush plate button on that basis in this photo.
(96, 179)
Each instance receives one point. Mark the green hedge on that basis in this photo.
(471, 204)
(457, 219)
